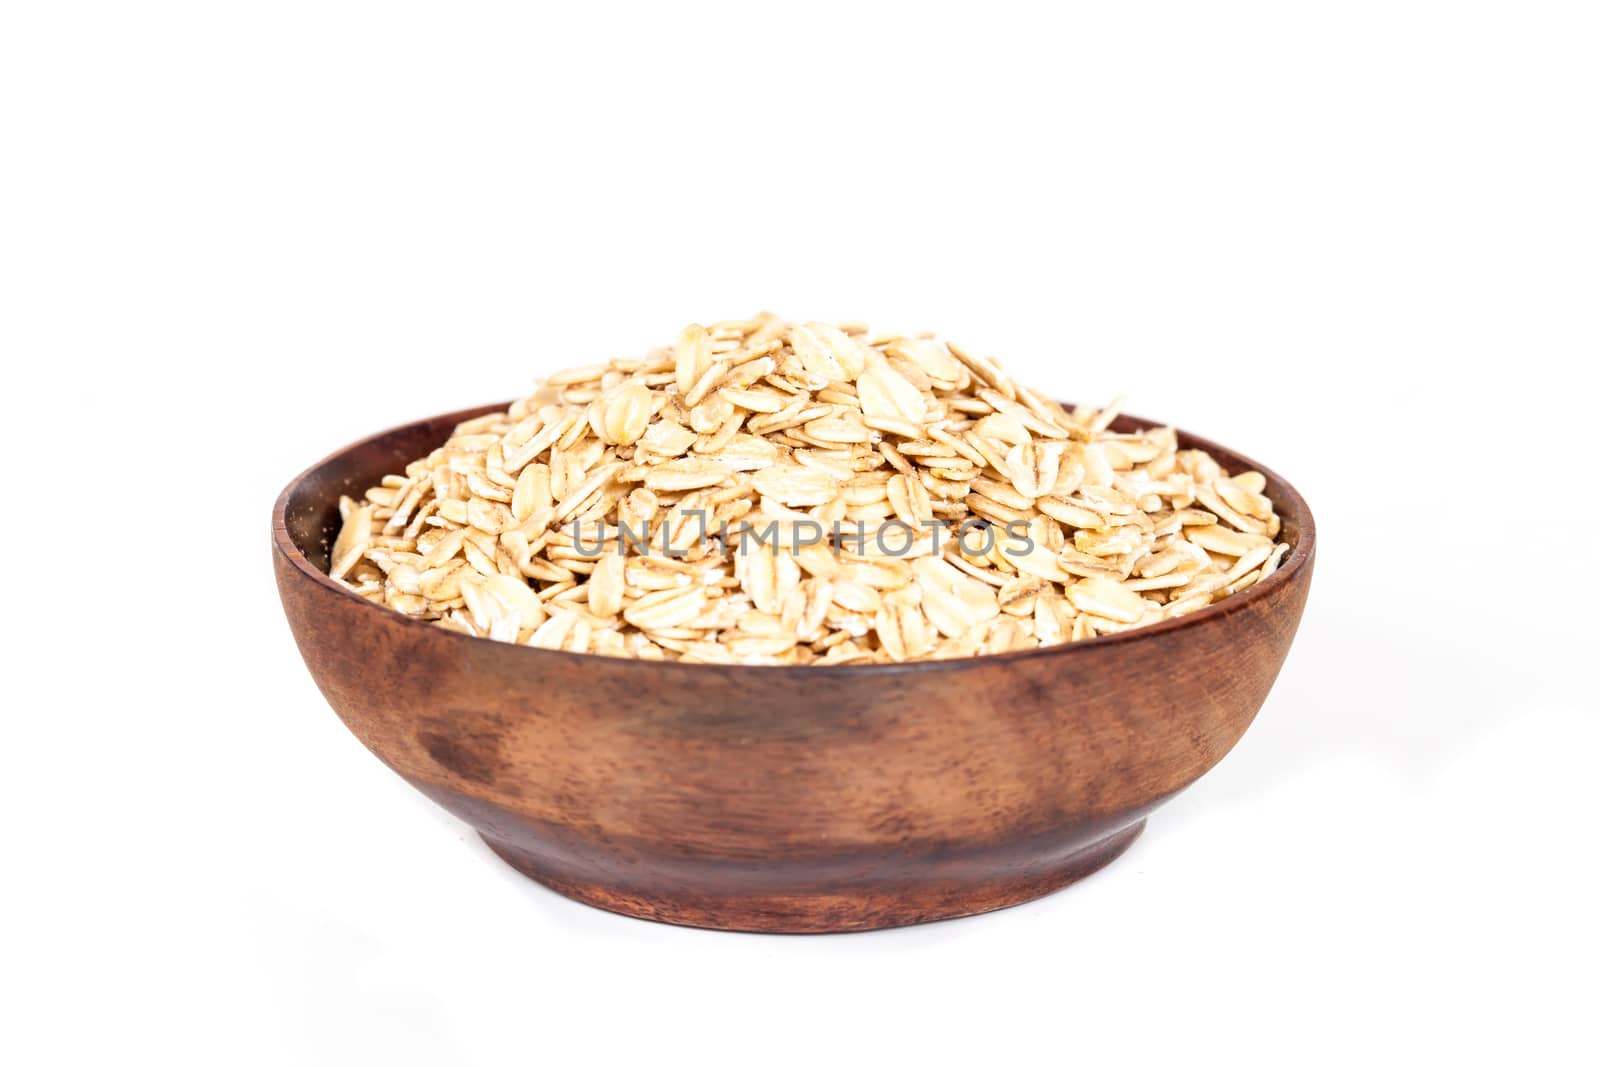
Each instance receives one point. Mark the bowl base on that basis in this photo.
(823, 911)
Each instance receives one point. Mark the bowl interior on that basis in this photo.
(309, 506)
(311, 502)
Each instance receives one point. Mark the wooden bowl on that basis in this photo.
(797, 799)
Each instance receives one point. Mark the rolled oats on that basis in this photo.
(812, 494)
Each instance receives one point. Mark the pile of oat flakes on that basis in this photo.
(769, 493)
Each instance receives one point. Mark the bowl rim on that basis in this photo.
(1294, 562)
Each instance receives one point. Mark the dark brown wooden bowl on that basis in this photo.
(786, 798)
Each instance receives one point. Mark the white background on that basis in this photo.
(1357, 241)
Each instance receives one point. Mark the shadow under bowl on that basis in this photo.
(793, 799)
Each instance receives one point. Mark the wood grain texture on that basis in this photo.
(786, 798)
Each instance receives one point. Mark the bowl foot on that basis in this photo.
(818, 909)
